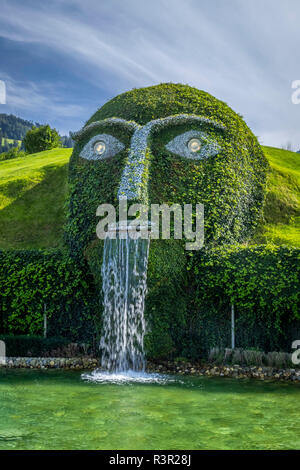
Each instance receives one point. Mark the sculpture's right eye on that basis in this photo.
(101, 146)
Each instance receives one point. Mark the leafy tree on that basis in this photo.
(41, 138)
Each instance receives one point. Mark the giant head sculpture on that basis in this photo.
(167, 144)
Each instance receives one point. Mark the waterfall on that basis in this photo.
(124, 284)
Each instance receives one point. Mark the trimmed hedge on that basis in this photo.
(263, 283)
(31, 281)
(34, 346)
(188, 301)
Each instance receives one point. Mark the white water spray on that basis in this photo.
(124, 284)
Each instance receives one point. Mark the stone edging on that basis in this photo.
(50, 363)
(234, 371)
(181, 368)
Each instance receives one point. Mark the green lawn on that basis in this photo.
(33, 192)
(32, 197)
(282, 208)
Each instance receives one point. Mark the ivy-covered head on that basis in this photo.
(167, 144)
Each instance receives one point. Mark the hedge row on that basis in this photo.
(187, 306)
(34, 282)
(262, 282)
(31, 346)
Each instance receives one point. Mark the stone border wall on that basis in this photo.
(234, 371)
(50, 363)
(181, 368)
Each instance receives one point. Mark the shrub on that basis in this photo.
(261, 281)
(30, 346)
(278, 359)
(251, 357)
(32, 281)
(12, 153)
(38, 346)
(41, 138)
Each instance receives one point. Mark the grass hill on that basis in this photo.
(282, 208)
(32, 196)
(33, 192)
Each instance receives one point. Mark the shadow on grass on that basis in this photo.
(35, 219)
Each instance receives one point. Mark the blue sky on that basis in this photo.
(62, 59)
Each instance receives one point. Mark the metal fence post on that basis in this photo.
(232, 328)
(45, 322)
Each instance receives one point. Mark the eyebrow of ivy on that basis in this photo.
(177, 119)
(153, 125)
(110, 122)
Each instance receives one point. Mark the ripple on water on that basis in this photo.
(127, 377)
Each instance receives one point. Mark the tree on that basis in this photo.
(13, 152)
(41, 138)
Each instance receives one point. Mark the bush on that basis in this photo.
(38, 346)
(31, 346)
(251, 357)
(263, 284)
(31, 281)
(41, 138)
(188, 306)
(14, 152)
(261, 279)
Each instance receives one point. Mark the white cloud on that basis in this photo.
(38, 100)
(242, 52)
(31, 96)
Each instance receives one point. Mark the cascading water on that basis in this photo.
(124, 282)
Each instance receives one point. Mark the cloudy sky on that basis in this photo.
(62, 59)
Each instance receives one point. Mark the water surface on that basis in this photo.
(59, 409)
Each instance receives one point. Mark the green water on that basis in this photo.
(59, 410)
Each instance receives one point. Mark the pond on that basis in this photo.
(59, 409)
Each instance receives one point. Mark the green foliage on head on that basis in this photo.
(229, 184)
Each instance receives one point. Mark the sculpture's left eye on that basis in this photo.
(195, 145)
(101, 146)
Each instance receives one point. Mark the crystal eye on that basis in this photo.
(194, 145)
(99, 147)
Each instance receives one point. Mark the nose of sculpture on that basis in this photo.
(134, 180)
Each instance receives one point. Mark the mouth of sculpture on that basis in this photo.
(133, 228)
